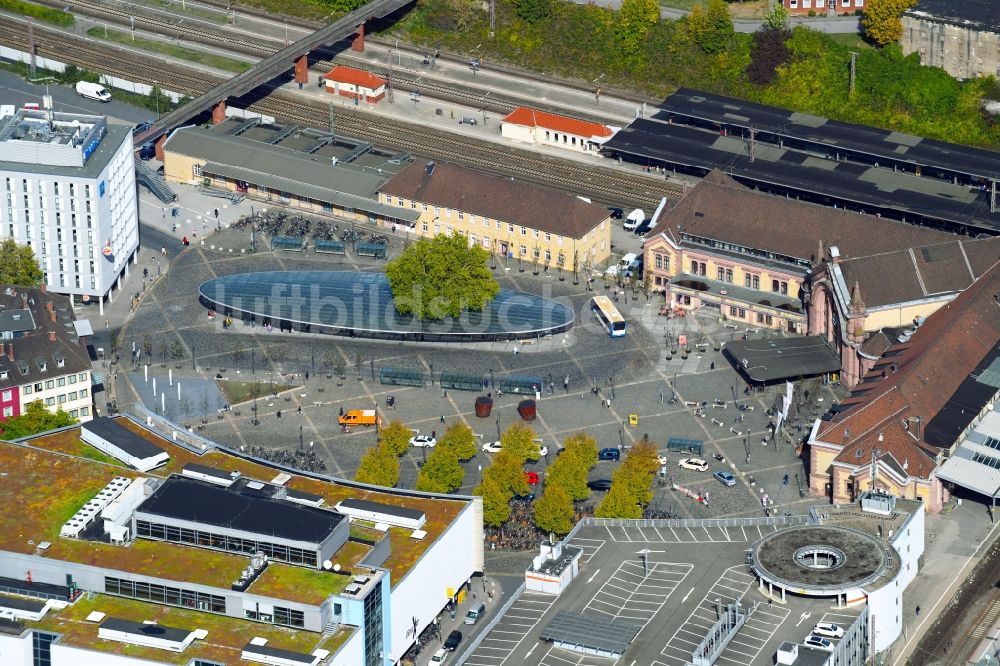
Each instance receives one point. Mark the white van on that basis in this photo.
(628, 262)
(92, 91)
(475, 614)
(634, 219)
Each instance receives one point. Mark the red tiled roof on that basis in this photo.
(357, 77)
(529, 117)
(919, 378)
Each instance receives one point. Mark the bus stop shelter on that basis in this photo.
(529, 384)
(329, 247)
(288, 243)
(461, 382)
(681, 445)
(401, 377)
(377, 250)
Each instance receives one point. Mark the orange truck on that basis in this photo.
(365, 417)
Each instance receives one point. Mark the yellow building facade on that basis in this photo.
(518, 222)
(752, 293)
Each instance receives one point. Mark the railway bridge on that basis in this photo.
(294, 55)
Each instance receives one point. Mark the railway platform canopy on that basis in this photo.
(815, 133)
(360, 304)
(808, 174)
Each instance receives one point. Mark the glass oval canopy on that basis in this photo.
(361, 304)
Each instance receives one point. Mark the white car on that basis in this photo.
(662, 459)
(828, 629)
(818, 642)
(543, 450)
(423, 440)
(439, 657)
(492, 447)
(697, 464)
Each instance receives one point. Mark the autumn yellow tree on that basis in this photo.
(881, 20)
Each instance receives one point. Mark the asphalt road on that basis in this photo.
(842, 25)
(15, 90)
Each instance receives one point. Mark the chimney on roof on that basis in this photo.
(52, 336)
(49, 306)
(10, 351)
(880, 437)
(52, 315)
(429, 168)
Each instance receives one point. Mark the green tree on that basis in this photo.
(532, 11)
(768, 52)
(379, 467)
(554, 510)
(570, 469)
(519, 441)
(618, 503)
(635, 18)
(147, 346)
(711, 28)
(395, 438)
(441, 473)
(460, 439)
(507, 471)
(776, 18)
(36, 419)
(441, 277)
(18, 266)
(496, 501)
(881, 20)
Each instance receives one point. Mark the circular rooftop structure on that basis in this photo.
(360, 304)
(823, 560)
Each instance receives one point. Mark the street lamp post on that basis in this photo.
(498, 427)
(156, 93)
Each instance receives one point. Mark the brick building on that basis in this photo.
(911, 408)
(748, 254)
(44, 356)
(823, 7)
(865, 304)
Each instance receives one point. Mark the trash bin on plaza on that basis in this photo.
(527, 410)
(484, 406)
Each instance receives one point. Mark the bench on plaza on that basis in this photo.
(401, 377)
(288, 243)
(376, 250)
(329, 247)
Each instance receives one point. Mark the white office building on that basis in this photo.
(67, 183)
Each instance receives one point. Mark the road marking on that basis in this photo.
(802, 617)
(531, 650)
(591, 579)
(687, 595)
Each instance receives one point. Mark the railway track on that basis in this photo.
(150, 19)
(940, 644)
(602, 184)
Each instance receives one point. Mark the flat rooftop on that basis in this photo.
(188, 499)
(225, 640)
(817, 131)
(816, 178)
(46, 479)
(770, 359)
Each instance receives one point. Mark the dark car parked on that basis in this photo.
(600, 484)
(453, 640)
(609, 454)
(616, 213)
(147, 151)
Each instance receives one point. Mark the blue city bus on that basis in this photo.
(608, 315)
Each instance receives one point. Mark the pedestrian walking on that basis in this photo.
(442, 418)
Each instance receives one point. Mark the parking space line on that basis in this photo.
(499, 646)
(693, 537)
(677, 538)
(658, 533)
(707, 533)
